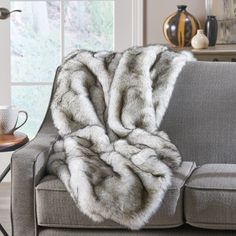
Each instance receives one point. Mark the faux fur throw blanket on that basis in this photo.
(107, 108)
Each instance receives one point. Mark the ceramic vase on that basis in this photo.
(180, 27)
(211, 29)
(200, 40)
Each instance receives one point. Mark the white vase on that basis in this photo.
(200, 40)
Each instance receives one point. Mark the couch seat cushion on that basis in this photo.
(210, 197)
(55, 207)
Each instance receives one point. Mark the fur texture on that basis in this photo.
(107, 108)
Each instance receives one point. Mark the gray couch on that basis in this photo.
(200, 120)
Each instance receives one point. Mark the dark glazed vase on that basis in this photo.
(211, 29)
(180, 27)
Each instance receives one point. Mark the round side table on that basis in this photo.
(9, 143)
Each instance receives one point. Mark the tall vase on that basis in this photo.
(211, 29)
(180, 27)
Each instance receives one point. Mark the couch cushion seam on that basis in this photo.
(210, 189)
(196, 222)
(102, 226)
(170, 189)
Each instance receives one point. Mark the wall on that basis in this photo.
(5, 70)
(4, 58)
(156, 11)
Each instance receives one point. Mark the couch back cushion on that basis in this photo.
(201, 117)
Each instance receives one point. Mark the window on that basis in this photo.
(40, 38)
(45, 31)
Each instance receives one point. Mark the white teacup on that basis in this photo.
(8, 119)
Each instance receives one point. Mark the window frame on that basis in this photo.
(133, 28)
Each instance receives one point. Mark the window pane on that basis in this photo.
(35, 40)
(34, 100)
(89, 25)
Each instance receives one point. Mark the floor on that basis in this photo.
(5, 206)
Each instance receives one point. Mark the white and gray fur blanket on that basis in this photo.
(107, 108)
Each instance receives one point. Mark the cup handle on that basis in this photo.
(26, 118)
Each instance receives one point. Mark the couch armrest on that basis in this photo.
(28, 166)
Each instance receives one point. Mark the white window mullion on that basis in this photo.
(129, 27)
(123, 24)
(62, 31)
(137, 22)
(30, 83)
